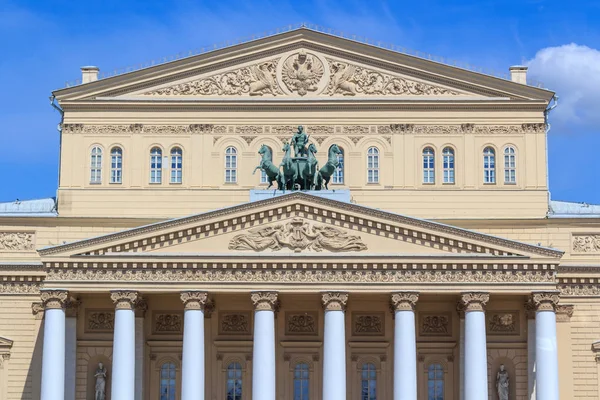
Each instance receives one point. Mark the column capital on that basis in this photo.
(265, 301)
(124, 299)
(72, 306)
(545, 301)
(194, 299)
(141, 306)
(334, 301)
(474, 301)
(404, 301)
(54, 298)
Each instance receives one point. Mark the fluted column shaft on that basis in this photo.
(53, 352)
(192, 383)
(263, 351)
(405, 345)
(123, 366)
(546, 351)
(334, 348)
(476, 374)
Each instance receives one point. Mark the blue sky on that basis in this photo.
(45, 42)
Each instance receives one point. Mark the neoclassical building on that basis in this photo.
(433, 266)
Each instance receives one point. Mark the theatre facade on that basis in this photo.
(412, 251)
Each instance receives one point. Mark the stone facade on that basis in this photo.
(130, 262)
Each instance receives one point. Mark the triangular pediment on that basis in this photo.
(297, 224)
(301, 64)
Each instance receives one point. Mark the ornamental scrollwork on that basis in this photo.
(297, 235)
(16, 241)
(545, 301)
(264, 301)
(194, 300)
(302, 72)
(54, 298)
(124, 300)
(586, 244)
(404, 301)
(254, 80)
(334, 301)
(474, 301)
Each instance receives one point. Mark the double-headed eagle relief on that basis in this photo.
(303, 73)
(297, 235)
(300, 171)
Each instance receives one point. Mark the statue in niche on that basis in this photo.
(502, 383)
(100, 388)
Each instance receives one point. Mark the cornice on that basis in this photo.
(311, 206)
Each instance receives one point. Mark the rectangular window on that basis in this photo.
(156, 169)
(448, 169)
(176, 168)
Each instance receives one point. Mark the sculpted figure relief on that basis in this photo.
(302, 72)
(297, 235)
(502, 383)
(100, 388)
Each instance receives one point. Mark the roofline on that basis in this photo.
(359, 50)
(313, 198)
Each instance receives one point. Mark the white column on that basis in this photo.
(192, 383)
(476, 372)
(531, 354)
(123, 364)
(334, 347)
(546, 352)
(405, 345)
(72, 306)
(461, 383)
(140, 344)
(263, 350)
(53, 352)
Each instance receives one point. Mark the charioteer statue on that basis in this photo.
(300, 172)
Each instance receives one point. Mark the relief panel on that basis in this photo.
(167, 322)
(368, 324)
(17, 241)
(502, 322)
(235, 323)
(301, 323)
(435, 324)
(99, 320)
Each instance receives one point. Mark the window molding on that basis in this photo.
(156, 165)
(489, 157)
(428, 165)
(116, 169)
(96, 162)
(176, 167)
(510, 165)
(373, 165)
(231, 164)
(448, 167)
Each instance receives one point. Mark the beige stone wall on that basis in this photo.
(23, 369)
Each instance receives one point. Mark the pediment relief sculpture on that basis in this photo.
(303, 73)
(297, 235)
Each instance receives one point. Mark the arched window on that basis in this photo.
(230, 165)
(116, 165)
(301, 381)
(96, 165)
(489, 165)
(155, 165)
(176, 165)
(263, 175)
(373, 165)
(167, 381)
(368, 382)
(428, 165)
(510, 165)
(448, 164)
(435, 382)
(338, 174)
(234, 381)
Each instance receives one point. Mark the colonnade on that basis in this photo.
(475, 379)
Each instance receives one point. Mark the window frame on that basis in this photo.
(174, 386)
(118, 170)
(235, 378)
(370, 380)
(373, 165)
(179, 165)
(96, 160)
(448, 168)
(307, 380)
(428, 166)
(442, 379)
(155, 177)
(232, 168)
(489, 172)
(339, 171)
(507, 154)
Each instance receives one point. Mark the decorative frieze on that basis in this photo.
(264, 301)
(437, 129)
(404, 301)
(100, 321)
(368, 324)
(234, 323)
(586, 243)
(301, 323)
(334, 301)
(54, 298)
(580, 290)
(435, 324)
(249, 130)
(297, 234)
(17, 241)
(168, 323)
(318, 129)
(124, 299)
(13, 287)
(503, 323)
(474, 301)
(545, 301)
(194, 300)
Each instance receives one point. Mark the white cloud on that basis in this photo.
(573, 72)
